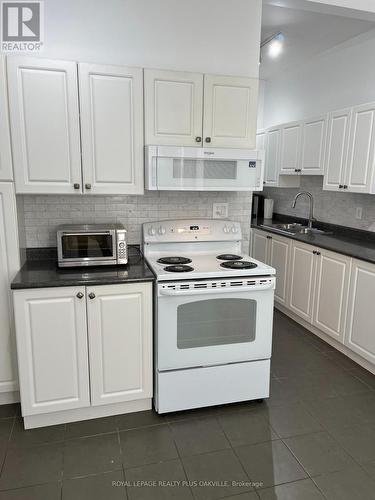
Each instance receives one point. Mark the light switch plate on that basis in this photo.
(220, 210)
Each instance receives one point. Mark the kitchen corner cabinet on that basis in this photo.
(359, 335)
(83, 346)
(9, 265)
(44, 116)
(191, 109)
(6, 170)
(274, 250)
(111, 105)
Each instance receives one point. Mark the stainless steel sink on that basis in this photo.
(294, 228)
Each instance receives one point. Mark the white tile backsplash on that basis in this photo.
(43, 213)
(332, 207)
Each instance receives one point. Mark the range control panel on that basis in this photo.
(191, 230)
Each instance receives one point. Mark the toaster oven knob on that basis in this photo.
(161, 230)
(151, 231)
(121, 244)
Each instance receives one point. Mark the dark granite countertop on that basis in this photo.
(41, 271)
(345, 240)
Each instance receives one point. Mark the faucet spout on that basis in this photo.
(311, 211)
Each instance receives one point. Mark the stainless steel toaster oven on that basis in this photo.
(91, 245)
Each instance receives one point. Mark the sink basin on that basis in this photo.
(294, 228)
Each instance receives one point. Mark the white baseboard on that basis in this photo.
(9, 397)
(340, 347)
(66, 416)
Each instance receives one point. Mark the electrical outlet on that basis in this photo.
(358, 213)
(220, 210)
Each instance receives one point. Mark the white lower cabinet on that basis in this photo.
(83, 346)
(331, 293)
(120, 340)
(360, 332)
(274, 250)
(302, 273)
(9, 265)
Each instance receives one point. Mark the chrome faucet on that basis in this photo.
(311, 215)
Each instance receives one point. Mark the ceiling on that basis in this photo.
(308, 34)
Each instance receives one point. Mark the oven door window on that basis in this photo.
(91, 246)
(216, 322)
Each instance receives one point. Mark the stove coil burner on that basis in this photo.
(174, 260)
(179, 268)
(239, 264)
(229, 256)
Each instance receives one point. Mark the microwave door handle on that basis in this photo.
(206, 291)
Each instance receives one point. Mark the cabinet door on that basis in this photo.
(6, 170)
(261, 140)
(359, 335)
(9, 265)
(361, 158)
(279, 259)
(290, 148)
(120, 339)
(43, 103)
(260, 246)
(336, 149)
(230, 111)
(272, 161)
(173, 108)
(111, 102)
(313, 146)
(331, 293)
(52, 349)
(302, 273)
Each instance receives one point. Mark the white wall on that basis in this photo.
(213, 36)
(342, 77)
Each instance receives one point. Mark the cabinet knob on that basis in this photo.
(87, 186)
(345, 186)
(314, 252)
(318, 253)
(92, 295)
(80, 295)
(198, 139)
(76, 185)
(340, 186)
(296, 169)
(208, 139)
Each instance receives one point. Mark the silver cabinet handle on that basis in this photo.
(80, 295)
(88, 186)
(92, 295)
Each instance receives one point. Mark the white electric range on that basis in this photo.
(214, 312)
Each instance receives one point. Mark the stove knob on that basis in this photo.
(226, 229)
(161, 230)
(234, 229)
(151, 231)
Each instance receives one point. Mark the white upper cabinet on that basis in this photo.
(173, 107)
(9, 265)
(111, 102)
(191, 109)
(52, 349)
(230, 111)
(44, 114)
(272, 158)
(290, 148)
(6, 170)
(360, 167)
(120, 340)
(313, 146)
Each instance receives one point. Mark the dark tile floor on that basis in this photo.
(313, 439)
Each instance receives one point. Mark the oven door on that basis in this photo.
(205, 327)
(87, 248)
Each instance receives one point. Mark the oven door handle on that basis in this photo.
(206, 291)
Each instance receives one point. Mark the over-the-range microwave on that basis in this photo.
(91, 245)
(203, 169)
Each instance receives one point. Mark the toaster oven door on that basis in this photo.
(87, 249)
